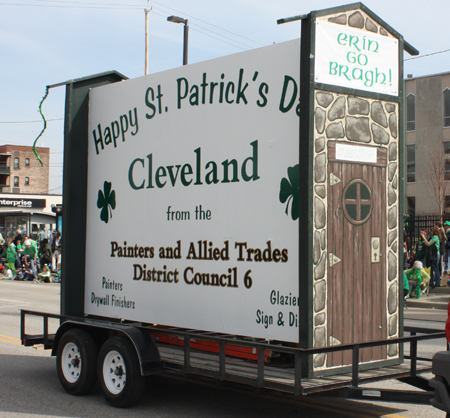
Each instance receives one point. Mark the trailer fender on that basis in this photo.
(144, 344)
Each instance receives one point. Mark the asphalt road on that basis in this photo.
(29, 386)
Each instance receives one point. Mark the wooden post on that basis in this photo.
(146, 39)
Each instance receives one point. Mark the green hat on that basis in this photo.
(447, 223)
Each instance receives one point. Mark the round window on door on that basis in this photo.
(357, 202)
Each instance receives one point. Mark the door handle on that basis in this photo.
(375, 250)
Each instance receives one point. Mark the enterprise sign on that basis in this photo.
(23, 203)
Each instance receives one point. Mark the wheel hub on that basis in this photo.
(114, 372)
(71, 362)
(118, 371)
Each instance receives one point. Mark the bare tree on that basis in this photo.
(434, 176)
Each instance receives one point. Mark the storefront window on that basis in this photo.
(14, 223)
(2, 226)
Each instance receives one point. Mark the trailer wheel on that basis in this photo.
(120, 374)
(76, 361)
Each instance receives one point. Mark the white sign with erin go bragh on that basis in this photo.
(356, 59)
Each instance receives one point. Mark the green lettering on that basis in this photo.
(342, 39)
(130, 175)
(160, 173)
(185, 171)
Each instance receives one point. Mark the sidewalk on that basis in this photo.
(438, 298)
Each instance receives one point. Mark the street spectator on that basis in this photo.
(433, 256)
(45, 253)
(56, 250)
(31, 252)
(405, 288)
(412, 258)
(7, 273)
(44, 275)
(27, 271)
(11, 257)
(417, 278)
(447, 246)
(421, 248)
(18, 237)
(443, 241)
(406, 249)
(19, 250)
(3, 249)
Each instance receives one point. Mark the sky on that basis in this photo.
(45, 42)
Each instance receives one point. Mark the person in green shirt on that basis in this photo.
(11, 257)
(30, 248)
(30, 251)
(434, 240)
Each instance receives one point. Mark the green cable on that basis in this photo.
(43, 129)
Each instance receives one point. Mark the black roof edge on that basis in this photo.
(114, 74)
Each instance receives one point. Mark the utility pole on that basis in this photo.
(146, 37)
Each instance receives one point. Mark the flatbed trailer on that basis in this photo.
(286, 376)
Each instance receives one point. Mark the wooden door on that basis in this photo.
(357, 251)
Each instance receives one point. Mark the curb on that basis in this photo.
(427, 305)
(438, 298)
(435, 300)
(440, 290)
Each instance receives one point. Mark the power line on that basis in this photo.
(226, 37)
(85, 2)
(115, 5)
(207, 23)
(32, 121)
(119, 7)
(427, 55)
(229, 43)
(207, 34)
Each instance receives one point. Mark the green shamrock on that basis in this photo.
(289, 191)
(106, 202)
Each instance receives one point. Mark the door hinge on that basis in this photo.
(334, 341)
(334, 179)
(332, 259)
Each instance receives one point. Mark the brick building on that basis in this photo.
(21, 172)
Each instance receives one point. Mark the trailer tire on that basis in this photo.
(119, 372)
(76, 361)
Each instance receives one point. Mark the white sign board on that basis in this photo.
(356, 59)
(357, 154)
(192, 187)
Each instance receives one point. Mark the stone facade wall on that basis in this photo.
(357, 120)
(357, 19)
(360, 120)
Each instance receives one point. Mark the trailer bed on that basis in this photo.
(275, 377)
